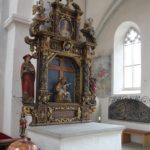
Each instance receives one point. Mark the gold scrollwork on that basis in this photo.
(27, 110)
(50, 114)
(67, 46)
(65, 120)
(51, 56)
(64, 108)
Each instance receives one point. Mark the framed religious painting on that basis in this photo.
(65, 28)
(63, 72)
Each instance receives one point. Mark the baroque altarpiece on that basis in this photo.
(65, 89)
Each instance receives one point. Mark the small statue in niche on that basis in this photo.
(23, 125)
(27, 78)
(62, 95)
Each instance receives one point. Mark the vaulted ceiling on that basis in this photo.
(100, 11)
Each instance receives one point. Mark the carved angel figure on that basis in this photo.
(38, 8)
(88, 30)
(88, 26)
(23, 125)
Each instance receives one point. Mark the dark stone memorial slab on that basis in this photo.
(130, 109)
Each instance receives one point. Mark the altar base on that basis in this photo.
(85, 136)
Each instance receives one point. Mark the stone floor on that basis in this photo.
(133, 146)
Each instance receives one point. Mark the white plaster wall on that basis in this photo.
(136, 11)
(3, 37)
(82, 4)
(13, 4)
(15, 48)
(8, 80)
(97, 9)
(24, 8)
(95, 115)
(126, 12)
(1, 72)
(1, 2)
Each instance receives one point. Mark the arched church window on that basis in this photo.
(132, 60)
(127, 59)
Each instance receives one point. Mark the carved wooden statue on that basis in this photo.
(63, 84)
(62, 94)
(27, 77)
(23, 125)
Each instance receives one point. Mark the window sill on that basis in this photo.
(128, 92)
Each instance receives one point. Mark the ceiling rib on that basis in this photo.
(107, 15)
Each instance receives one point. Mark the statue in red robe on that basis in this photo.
(27, 78)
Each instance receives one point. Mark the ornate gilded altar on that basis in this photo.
(64, 54)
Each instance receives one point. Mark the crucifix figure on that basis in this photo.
(61, 68)
(61, 87)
